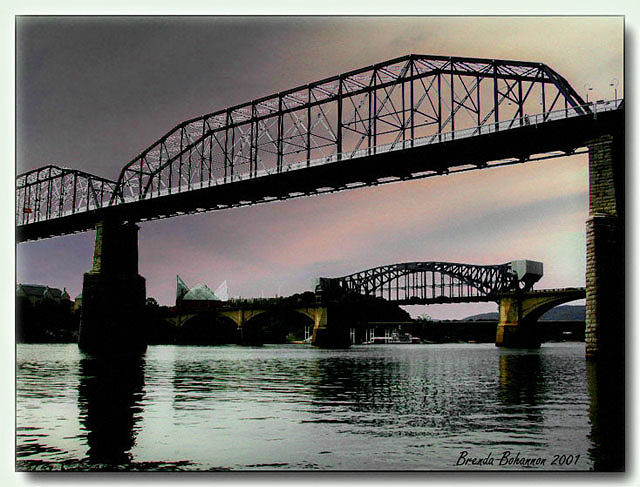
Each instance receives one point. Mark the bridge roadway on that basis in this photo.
(571, 293)
(410, 117)
(264, 304)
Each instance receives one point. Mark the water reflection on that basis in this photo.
(110, 393)
(411, 390)
(522, 382)
(386, 407)
(194, 382)
(607, 416)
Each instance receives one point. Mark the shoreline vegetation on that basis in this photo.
(58, 322)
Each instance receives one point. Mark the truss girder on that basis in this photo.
(415, 99)
(52, 192)
(431, 282)
(384, 103)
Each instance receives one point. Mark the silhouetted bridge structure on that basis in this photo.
(437, 282)
(411, 117)
(509, 285)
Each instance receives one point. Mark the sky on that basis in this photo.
(92, 93)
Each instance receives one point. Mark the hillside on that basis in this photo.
(560, 313)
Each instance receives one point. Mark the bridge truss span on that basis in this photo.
(431, 282)
(411, 117)
(52, 192)
(353, 114)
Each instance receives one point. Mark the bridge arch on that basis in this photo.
(277, 325)
(207, 327)
(519, 312)
(534, 307)
(240, 315)
(431, 282)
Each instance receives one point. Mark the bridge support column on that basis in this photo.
(514, 330)
(239, 319)
(520, 311)
(113, 294)
(325, 336)
(605, 275)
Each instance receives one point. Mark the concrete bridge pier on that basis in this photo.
(520, 311)
(515, 328)
(113, 294)
(325, 336)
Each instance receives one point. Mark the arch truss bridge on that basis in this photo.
(437, 282)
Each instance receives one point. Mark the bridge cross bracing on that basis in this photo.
(401, 104)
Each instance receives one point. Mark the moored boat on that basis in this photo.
(394, 339)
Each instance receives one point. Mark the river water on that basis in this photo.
(296, 407)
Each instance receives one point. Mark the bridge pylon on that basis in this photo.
(113, 294)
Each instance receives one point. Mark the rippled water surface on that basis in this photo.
(296, 407)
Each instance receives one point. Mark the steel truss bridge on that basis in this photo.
(411, 117)
(431, 282)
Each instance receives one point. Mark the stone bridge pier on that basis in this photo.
(113, 294)
(605, 317)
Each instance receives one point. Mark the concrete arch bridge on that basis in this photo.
(242, 312)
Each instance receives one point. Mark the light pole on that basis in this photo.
(587, 89)
(614, 85)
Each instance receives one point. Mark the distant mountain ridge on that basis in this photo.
(560, 313)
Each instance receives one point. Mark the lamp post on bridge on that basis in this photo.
(587, 89)
(614, 84)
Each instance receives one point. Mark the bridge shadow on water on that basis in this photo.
(109, 399)
(522, 382)
(606, 387)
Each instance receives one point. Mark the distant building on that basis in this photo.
(200, 296)
(37, 293)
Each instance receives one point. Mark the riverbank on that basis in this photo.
(485, 331)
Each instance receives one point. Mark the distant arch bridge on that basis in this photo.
(437, 282)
